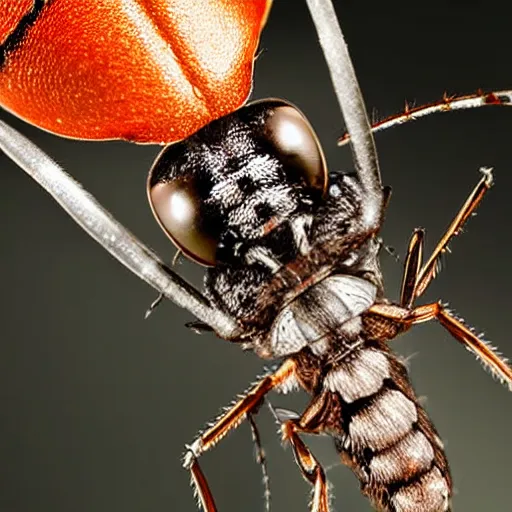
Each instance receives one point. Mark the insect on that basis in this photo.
(443, 276)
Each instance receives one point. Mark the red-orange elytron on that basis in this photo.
(147, 71)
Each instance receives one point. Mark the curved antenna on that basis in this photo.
(138, 258)
(352, 106)
(88, 213)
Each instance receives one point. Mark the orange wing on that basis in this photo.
(141, 70)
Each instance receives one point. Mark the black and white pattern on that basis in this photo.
(298, 270)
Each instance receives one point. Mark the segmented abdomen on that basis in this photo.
(381, 431)
(388, 440)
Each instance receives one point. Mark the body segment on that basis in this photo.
(304, 282)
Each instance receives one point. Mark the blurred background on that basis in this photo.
(96, 404)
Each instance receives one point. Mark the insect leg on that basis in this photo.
(417, 277)
(312, 421)
(446, 104)
(308, 464)
(261, 459)
(229, 420)
(489, 356)
(107, 231)
(412, 267)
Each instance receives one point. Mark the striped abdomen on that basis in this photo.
(382, 432)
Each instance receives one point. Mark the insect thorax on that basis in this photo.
(292, 261)
(304, 265)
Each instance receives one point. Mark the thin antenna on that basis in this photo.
(88, 213)
(352, 106)
(138, 258)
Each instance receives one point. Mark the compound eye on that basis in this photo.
(298, 147)
(179, 210)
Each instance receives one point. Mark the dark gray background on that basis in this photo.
(96, 403)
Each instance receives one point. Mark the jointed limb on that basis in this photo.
(462, 333)
(417, 276)
(291, 426)
(225, 423)
(261, 459)
(309, 422)
(429, 270)
(412, 268)
(446, 104)
(107, 231)
(308, 464)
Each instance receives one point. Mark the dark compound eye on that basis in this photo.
(297, 145)
(179, 210)
(181, 180)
